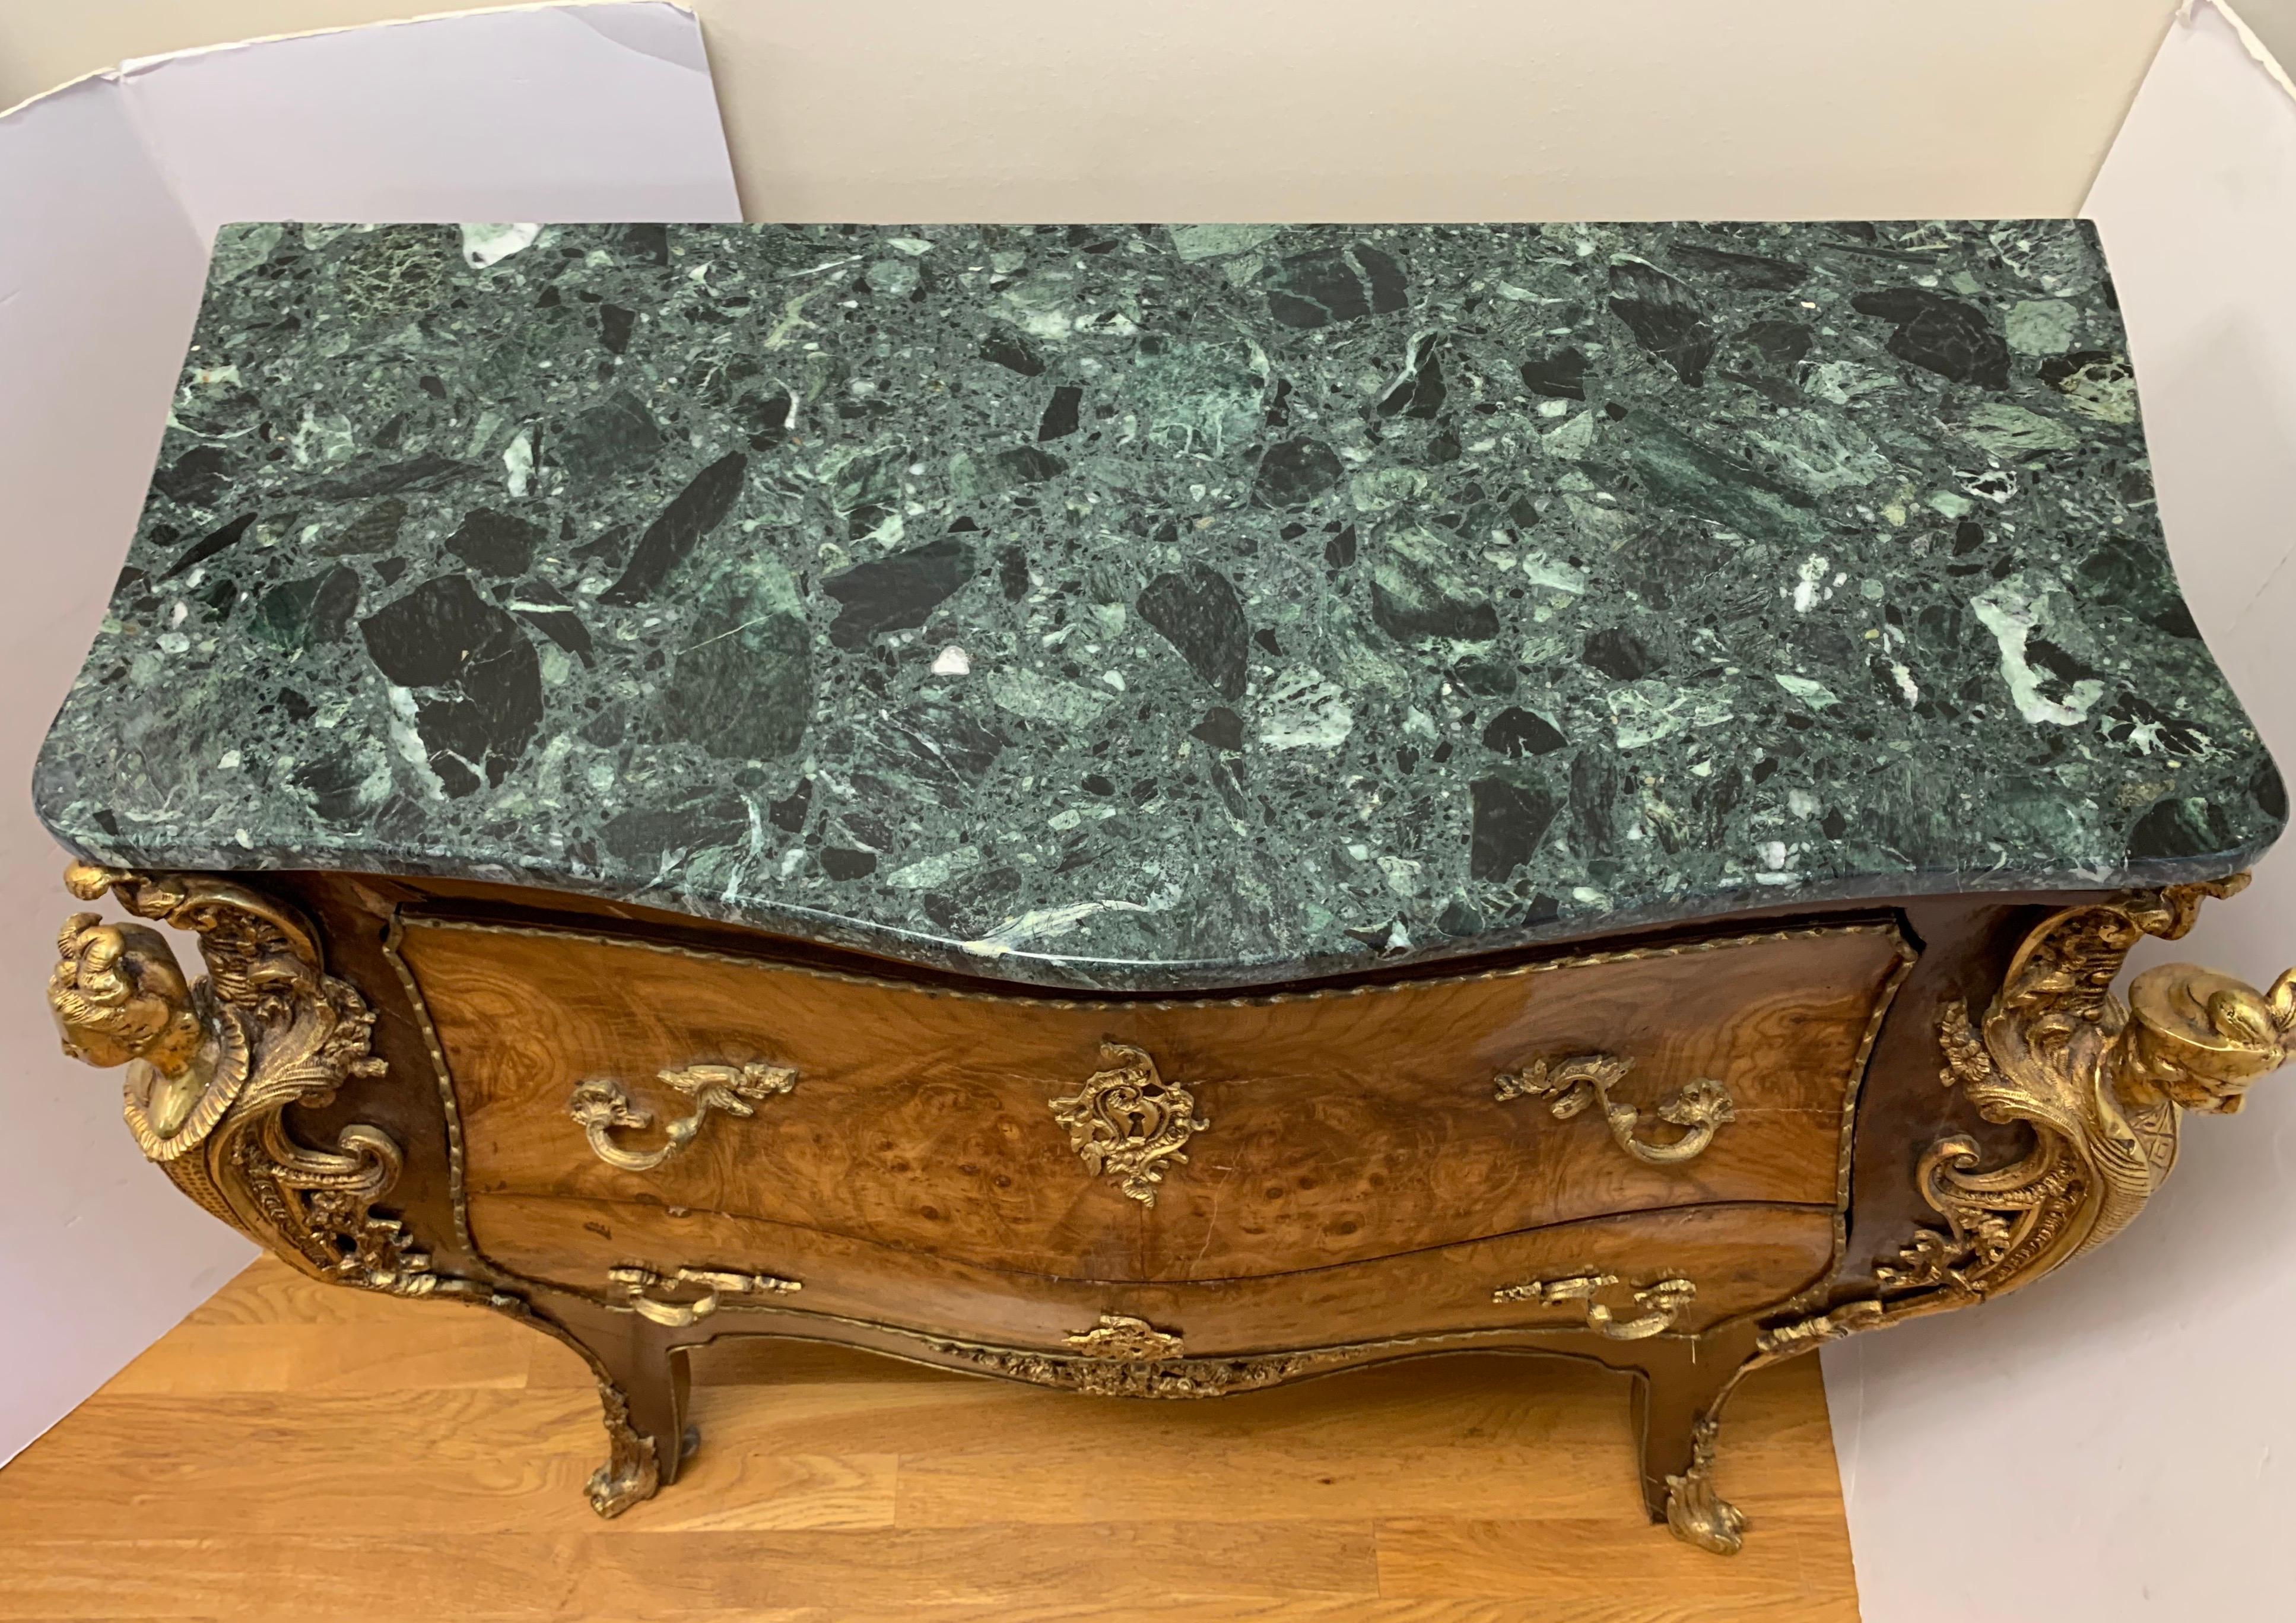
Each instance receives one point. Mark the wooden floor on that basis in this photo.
(301, 1452)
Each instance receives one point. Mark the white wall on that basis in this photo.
(1344, 109)
(2275, 23)
(2114, 1442)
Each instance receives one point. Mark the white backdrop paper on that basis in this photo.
(109, 191)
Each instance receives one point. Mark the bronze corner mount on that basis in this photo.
(2098, 1083)
(212, 1065)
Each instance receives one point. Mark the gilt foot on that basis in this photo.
(1695, 1513)
(631, 1472)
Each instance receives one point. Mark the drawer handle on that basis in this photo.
(1126, 1121)
(1661, 1302)
(637, 1287)
(1700, 1109)
(601, 1104)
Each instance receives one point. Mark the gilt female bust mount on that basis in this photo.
(1158, 811)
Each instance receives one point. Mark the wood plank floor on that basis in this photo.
(301, 1452)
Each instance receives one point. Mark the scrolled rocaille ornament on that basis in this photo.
(1128, 1120)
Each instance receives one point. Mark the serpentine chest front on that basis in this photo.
(1682, 1157)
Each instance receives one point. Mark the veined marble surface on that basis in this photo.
(1162, 607)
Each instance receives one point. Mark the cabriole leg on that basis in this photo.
(1676, 1407)
(643, 1385)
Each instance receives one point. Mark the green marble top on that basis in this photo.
(1162, 607)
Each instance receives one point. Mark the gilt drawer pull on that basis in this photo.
(638, 1289)
(601, 1104)
(1700, 1109)
(1126, 1121)
(1661, 1302)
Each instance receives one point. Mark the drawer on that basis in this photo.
(1310, 1129)
(1737, 1259)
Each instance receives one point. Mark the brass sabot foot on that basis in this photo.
(1695, 1512)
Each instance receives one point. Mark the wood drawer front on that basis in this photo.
(1741, 1258)
(1340, 1126)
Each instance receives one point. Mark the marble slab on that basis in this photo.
(1153, 607)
